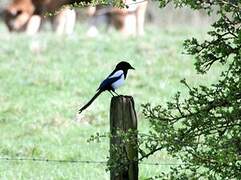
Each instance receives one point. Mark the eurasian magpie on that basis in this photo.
(112, 82)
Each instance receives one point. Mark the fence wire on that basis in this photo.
(78, 161)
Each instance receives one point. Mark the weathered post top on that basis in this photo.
(123, 108)
(123, 118)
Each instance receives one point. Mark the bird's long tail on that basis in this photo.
(89, 103)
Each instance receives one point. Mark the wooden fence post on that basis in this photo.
(123, 119)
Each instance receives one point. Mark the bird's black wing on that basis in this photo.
(106, 84)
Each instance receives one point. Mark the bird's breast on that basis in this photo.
(118, 83)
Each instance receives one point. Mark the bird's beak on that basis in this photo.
(132, 68)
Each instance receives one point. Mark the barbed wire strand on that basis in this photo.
(52, 160)
(78, 161)
(161, 164)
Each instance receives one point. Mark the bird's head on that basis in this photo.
(123, 65)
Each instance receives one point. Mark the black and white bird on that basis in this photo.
(112, 82)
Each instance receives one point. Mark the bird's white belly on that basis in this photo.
(118, 83)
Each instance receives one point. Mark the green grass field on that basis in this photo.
(46, 78)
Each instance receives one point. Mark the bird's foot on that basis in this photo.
(116, 93)
(112, 94)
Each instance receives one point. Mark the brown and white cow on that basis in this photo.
(27, 15)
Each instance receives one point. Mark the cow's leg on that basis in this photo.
(64, 21)
(129, 25)
(140, 17)
(70, 19)
(33, 25)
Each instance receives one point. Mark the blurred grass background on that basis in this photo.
(45, 79)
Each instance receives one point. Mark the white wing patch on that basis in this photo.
(117, 74)
(119, 82)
